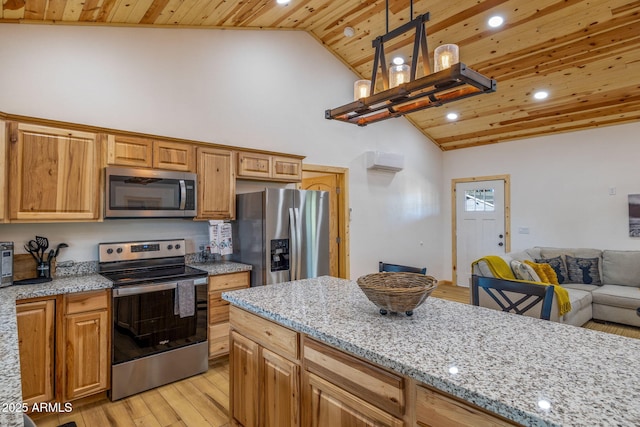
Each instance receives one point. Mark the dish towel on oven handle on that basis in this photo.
(220, 237)
(185, 299)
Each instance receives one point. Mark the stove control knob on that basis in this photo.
(119, 250)
(109, 251)
(170, 247)
(178, 246)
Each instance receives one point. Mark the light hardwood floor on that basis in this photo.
(203, 400)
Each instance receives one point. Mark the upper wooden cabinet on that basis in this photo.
(268, 167)
(149, 153)
(216, 184)
(54, 174)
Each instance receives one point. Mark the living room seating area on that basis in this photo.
(602, 285)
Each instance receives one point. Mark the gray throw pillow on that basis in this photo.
(558, 266)
(583, 270)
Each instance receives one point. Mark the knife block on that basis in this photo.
(25, 267)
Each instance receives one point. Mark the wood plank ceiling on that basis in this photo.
(585, 53)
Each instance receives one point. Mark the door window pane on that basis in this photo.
(479, 200)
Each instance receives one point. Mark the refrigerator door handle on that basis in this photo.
(298, 244)
(293, 254)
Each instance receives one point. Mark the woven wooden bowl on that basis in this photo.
(397, 292)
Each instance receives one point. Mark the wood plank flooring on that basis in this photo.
(203, 400)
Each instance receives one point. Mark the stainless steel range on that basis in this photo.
(159, 312)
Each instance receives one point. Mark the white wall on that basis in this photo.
(559, 186)
(258, 89)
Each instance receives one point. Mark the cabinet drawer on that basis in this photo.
(371, 383)
(434, 410)
(226, 282)
(268, 334)
(218, 308)
(219, 339)
(86, 301)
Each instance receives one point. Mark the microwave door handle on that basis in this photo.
(183, 194)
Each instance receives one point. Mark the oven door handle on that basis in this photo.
(143, 289)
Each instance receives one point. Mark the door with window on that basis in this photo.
(480, 224)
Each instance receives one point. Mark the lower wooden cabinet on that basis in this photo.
(36, 335)
(330, 406)
(265, 385)
(279, 377)
(434, 409)
(64, 346)
(219, 310)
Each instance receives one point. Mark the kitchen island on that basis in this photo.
(524, 370)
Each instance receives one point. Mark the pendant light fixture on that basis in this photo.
(402, 92)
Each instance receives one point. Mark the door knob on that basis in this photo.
(500, 244)
(500, 236)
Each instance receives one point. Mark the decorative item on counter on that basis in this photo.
(397, 292)
(220, 238)
(38, 250)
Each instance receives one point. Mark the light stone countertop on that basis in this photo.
(503, 362)
(10, 384)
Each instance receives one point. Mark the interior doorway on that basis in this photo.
(333, 180)
(480, 223)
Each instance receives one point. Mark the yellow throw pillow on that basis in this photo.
(540, 271)
(551, 274)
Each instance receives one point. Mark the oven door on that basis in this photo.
(147, 320)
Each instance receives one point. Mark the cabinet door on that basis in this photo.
(177, 156)
(279, 391)
(36, 322)
(55, 174)
(86, 363)
(129, 151)
(254, 165)
(243, 369)
(216, 184)
(327, 405)
(288, 169)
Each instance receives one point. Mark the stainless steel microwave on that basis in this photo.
(149, 193)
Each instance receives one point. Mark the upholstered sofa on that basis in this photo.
(602, 284)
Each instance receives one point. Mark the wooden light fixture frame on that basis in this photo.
(432, 90)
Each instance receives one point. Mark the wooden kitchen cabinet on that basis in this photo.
(216, 184)
(269, 167)
(219, 310)
(327, 405)
(265, 372)
(149, 153)
(435, 409)
(36, 335)
(86, 348)
(54, 174)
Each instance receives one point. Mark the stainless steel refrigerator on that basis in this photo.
(283, 234)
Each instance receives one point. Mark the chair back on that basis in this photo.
(383, 266)
(514, 297)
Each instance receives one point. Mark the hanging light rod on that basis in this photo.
(452, 82)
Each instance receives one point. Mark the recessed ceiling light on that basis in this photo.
(348, 31)
(495, 21)
(282, 1)
(398, 60)
(452, 116)
(541, 94)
